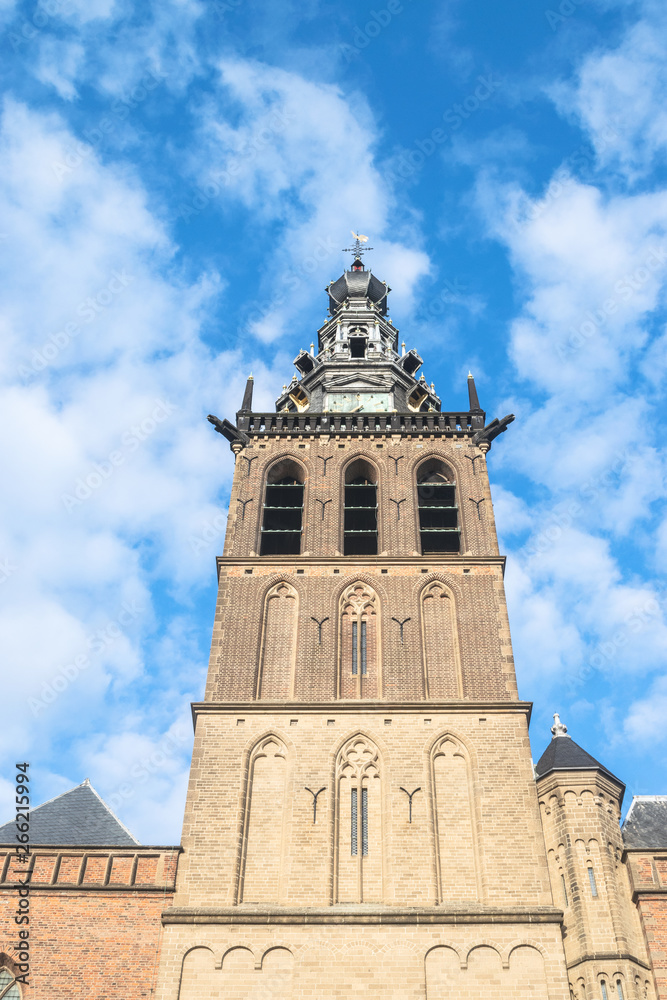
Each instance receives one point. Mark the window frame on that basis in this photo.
(361, 459)
(286, 460)
(449, 468)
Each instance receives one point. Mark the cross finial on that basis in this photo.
(558, 728)
(358, 249)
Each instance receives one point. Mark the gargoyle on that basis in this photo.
(228, 430)
(493, 429)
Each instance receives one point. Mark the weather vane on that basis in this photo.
(358, 249)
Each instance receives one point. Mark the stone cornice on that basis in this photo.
(608, 956)
(655, 890)
(380, 708)
(363, 915)
(290, 564)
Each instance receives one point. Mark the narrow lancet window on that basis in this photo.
(591, 879)
(364, 825)
(359, 842)
(355, 648)
(360, 527)
(359, 637)
(438, 512)
(283, 511)
(603, 990)
(562, 879)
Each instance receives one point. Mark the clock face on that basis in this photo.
(359, 402)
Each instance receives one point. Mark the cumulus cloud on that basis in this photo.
(624, 87)
(114, 468)
(301, 154)
(590, 267)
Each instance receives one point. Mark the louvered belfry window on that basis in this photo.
(360, 528)
(283, 511)
(438, 512)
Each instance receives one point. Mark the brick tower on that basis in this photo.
(362, 818)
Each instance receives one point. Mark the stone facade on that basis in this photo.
(353, 828)
(363, 818)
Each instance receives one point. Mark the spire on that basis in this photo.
(558, 728)
(563, 754)
(246, 405)
(472, 394)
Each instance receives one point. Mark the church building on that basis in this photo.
(364, 820)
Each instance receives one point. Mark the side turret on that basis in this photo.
(580, 803)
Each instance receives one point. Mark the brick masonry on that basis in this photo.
(432, 743)
(95, 927)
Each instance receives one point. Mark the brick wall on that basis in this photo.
(648, 883)
(95, 927)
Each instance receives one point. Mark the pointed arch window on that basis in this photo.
(283, 510)
(261, 868)
(438, 511)
(359, 636)
(9, 988)
(454, 823)
(360, 526)
(359, 823)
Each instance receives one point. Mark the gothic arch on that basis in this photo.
(272, 472)
(455, 820)
(359, 642)
(441, 651)
(264, 821)
(358, 463)
(359, 822)
(286, 458)
(426, 515)
(278, 642)
(450, 463)
(359, 457)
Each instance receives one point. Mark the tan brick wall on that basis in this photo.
(358, 960)
(435, 725)
(502, 803)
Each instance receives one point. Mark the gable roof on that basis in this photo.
(646, 823)
(563, 754)
(79, 817)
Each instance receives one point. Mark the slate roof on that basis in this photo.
(357, 284)
(646, 823)
(563, 754)
(77, 818)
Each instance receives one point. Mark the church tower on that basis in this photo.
(362, 818)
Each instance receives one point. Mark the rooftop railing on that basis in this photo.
(359, 423)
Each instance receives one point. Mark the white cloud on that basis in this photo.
(645, 721)
(300, 153)
(624, 88)
(114, 418)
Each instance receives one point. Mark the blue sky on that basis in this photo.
(178, 179)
